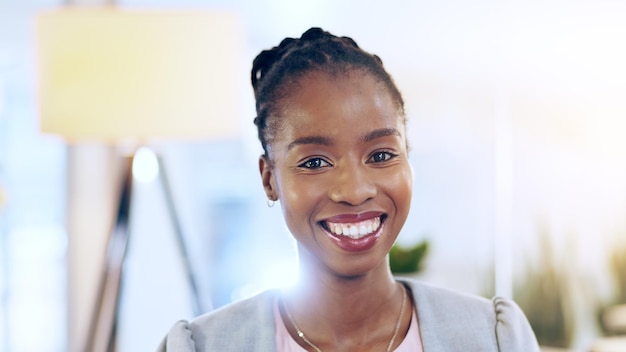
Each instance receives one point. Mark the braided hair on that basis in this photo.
(275, 73)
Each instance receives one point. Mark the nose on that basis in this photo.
(353, 184)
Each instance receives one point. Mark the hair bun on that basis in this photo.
(314, 33)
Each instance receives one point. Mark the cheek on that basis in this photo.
(297, 196)
(400, 185)
(300, 201)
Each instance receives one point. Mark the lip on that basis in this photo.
(350, 244)
(349, 218)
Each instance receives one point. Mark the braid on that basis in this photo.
(275, 72)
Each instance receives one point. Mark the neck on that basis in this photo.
(322, 287)
(333, 310)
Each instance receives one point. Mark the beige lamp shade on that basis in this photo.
(113, 75)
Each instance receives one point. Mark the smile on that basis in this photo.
(354, 230)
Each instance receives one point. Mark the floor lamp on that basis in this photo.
(128, 77)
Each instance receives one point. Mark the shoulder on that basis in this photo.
(178, 339)
(513, 330)
(485, 324)
(248, 323)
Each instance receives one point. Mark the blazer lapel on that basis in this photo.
(453, 322)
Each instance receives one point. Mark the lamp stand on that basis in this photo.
(102, 332)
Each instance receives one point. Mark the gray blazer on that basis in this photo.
(448, 321)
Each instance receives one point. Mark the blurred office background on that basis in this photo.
(517, 117)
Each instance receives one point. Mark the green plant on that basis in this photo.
(618, 271)
(407, 260)
(542, 295)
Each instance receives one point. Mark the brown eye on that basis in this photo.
(380, 157)
(314, 163)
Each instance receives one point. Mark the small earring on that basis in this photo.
(270, 202)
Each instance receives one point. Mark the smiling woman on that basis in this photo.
(342, 163)
(333, 129)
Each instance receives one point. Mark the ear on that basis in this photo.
(267, 177)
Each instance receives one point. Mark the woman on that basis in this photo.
(333, 129)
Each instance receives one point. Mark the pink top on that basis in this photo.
(285, 343)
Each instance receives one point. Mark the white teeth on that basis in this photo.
(356, 230)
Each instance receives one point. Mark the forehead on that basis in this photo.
(339, 83)
(333, 104)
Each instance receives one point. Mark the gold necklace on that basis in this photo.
(317, 349)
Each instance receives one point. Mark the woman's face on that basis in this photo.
(340, 170)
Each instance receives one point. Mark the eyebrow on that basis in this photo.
(311, 140)
(383, 132)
